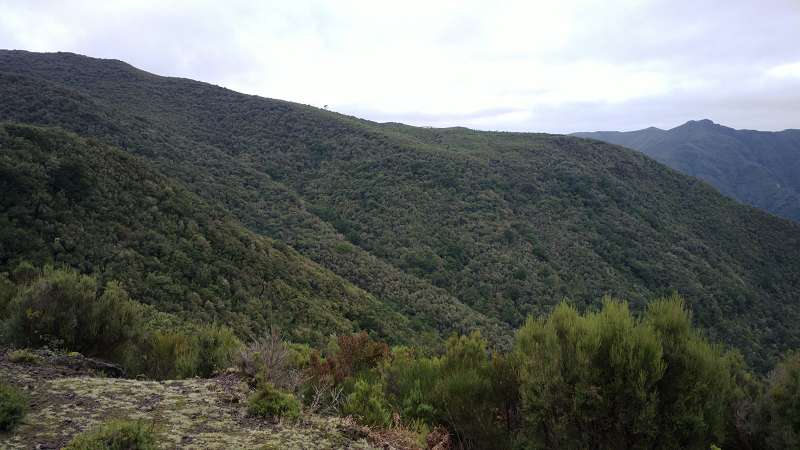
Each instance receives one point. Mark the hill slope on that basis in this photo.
(81, 203)
(455, 228)
(758, 168)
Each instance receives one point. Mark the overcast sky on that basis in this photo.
(555, 66)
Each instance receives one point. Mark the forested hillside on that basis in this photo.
(758, 168)
(451, 228)
(75, 202)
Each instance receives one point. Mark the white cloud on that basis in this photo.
(523, 65)
(791, 70)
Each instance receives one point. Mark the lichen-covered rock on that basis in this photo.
(187, 414)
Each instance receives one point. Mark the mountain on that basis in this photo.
(450, 229)
(758, 168)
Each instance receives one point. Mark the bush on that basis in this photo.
(463, 393)
(779, 408)
(214, 348)
(353, 355)
(13, 406)
(608, 380)
(197, 351)
(270, 358)
(697, 386)
(472, 394)
(368, 405)
(410, 381)
(268, 401)
(65, 308)
(23, 356)
(167, 356)
(116, 435)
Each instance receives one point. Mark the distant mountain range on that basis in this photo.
(758, 168)
(218, 206)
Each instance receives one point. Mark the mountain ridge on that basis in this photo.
(758, 168)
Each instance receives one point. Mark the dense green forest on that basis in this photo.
(759, 168)
(449, 229)
(82, 204)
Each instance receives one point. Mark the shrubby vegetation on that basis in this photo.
(116, 435)
(62, 308)
(602, 379)
(13, 406)
(605, 379)
(608, 380)
(268, 401)
(779, 409)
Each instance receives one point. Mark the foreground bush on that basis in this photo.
(270, 358)
(198, 351)
(779, 409)
(352, 355)
(607, 380)
(270, 402)
(368, 405)
(116, 435)
(65, 308)
(13, 405)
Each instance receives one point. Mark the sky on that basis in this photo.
(550, 66)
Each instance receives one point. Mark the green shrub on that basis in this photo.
(607, 380)
(13, 406)
(410, 382)
(63, 307)
(268, 401)
(463, 393)
(470, 393)
(214, 347)
(116, 435)
(196, 351)
(368, 405)
(167, 356)
(23, 356)
(779, 408)
(697, 386)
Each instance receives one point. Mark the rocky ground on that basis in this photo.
(69, 394)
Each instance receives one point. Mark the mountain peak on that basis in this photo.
(700, 123)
